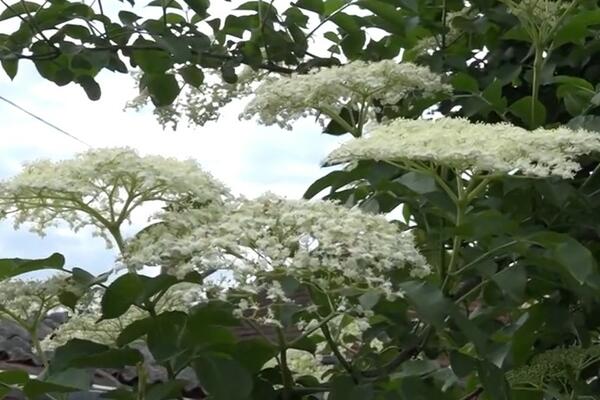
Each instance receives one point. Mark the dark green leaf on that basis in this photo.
(216, 374)
(163, 88)
(11, 267)
(418, 182)
(19, 8)
(462, 364)
(91, 87)
(14, 377)
(532, 114)
(122, 294)
(493, 380)
(344, 388)
(253, 354)
(199, 6)
(11, 67)
(192, 75)
(464, 82)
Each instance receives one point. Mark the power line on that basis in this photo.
(43, 121)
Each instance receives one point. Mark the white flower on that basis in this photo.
(84, 322)
(458, 143)
(101, 188)
(26, 301)
(262, 242)
(282, 100)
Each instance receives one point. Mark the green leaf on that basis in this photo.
(19, 8)
(11, 267)
(576, 259)
(493, 94)
(150, 57)
(462, 364)
(433, 307)
(35, 388)
(14, 377)
(122, 294)
(522, 108)
(165, 4)
(343, 388)
(512, 281)
(312, 5)
(91, 87)
(171, 324)
(192, 75)
(127, 17)
(573, 82)
(493, 380)
(163, 88)
(134, 331)
(199, 6)
(464, 82)
(417, 368)
(78, 354)
(216, 374)
(164, 391)
(418, 182)
(587, 122)
(112, 358)
(11, 67)
(253, 354)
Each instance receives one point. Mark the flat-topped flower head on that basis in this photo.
(280, 101)
(477, 147)
(101, 188)
(269, 241)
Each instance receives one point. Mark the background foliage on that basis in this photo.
(527, 286)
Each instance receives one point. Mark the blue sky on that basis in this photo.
(249, 158)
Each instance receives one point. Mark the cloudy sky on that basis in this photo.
(249, 158)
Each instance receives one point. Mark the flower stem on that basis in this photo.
(336, 351)
(286, 375)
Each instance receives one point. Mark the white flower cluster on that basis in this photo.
(261, 242)
(26, 301)
(539, 17)
(199, 105)
(101, 188)
(280, 101)
(493, 148)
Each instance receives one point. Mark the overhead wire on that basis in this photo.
(64, 132)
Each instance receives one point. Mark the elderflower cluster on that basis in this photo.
(199, 105)
(26, 301)
(282, 100)
(539, 17)
(101, 188)
(264, 242)
(554, 365)
(478, 147)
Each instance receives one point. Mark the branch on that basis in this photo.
(269, 66)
